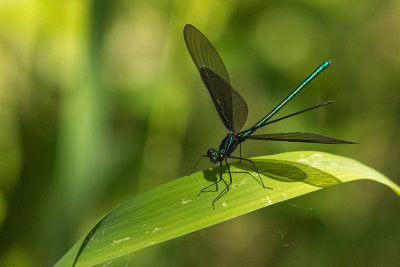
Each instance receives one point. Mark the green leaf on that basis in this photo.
(174, 209)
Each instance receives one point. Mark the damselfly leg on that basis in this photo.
(255, 168)
(215, 183)
(226, 189)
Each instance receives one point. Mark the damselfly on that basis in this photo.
(232, 109)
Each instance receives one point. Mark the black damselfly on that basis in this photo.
(232, 109)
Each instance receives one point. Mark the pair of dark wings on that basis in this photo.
(231, 107)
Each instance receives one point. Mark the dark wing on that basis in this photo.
(231, 107)
(299, 137)
(203, 52)
(240, 111)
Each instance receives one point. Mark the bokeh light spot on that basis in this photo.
(284, 36)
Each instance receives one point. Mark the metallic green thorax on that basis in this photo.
(229, 144)
(259, 124)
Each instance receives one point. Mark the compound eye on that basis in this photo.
(221, 157)
(210, 152)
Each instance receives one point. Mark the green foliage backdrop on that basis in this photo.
(99, 101)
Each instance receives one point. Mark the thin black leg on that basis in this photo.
(216, 184)
(240, 149)
(229, 171)
(204, 189)
(255, 167)
(226, 189)
(197, 163)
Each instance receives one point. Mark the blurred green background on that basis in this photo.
(100, 101)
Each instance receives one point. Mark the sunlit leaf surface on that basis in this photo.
(174, 209)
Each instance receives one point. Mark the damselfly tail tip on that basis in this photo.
(326, 64)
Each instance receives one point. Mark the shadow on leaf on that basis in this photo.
(288, 171)
(212, 174)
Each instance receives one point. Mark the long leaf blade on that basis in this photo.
(173, 209)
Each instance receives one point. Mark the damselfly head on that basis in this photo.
(211, 152)
(215, 156)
